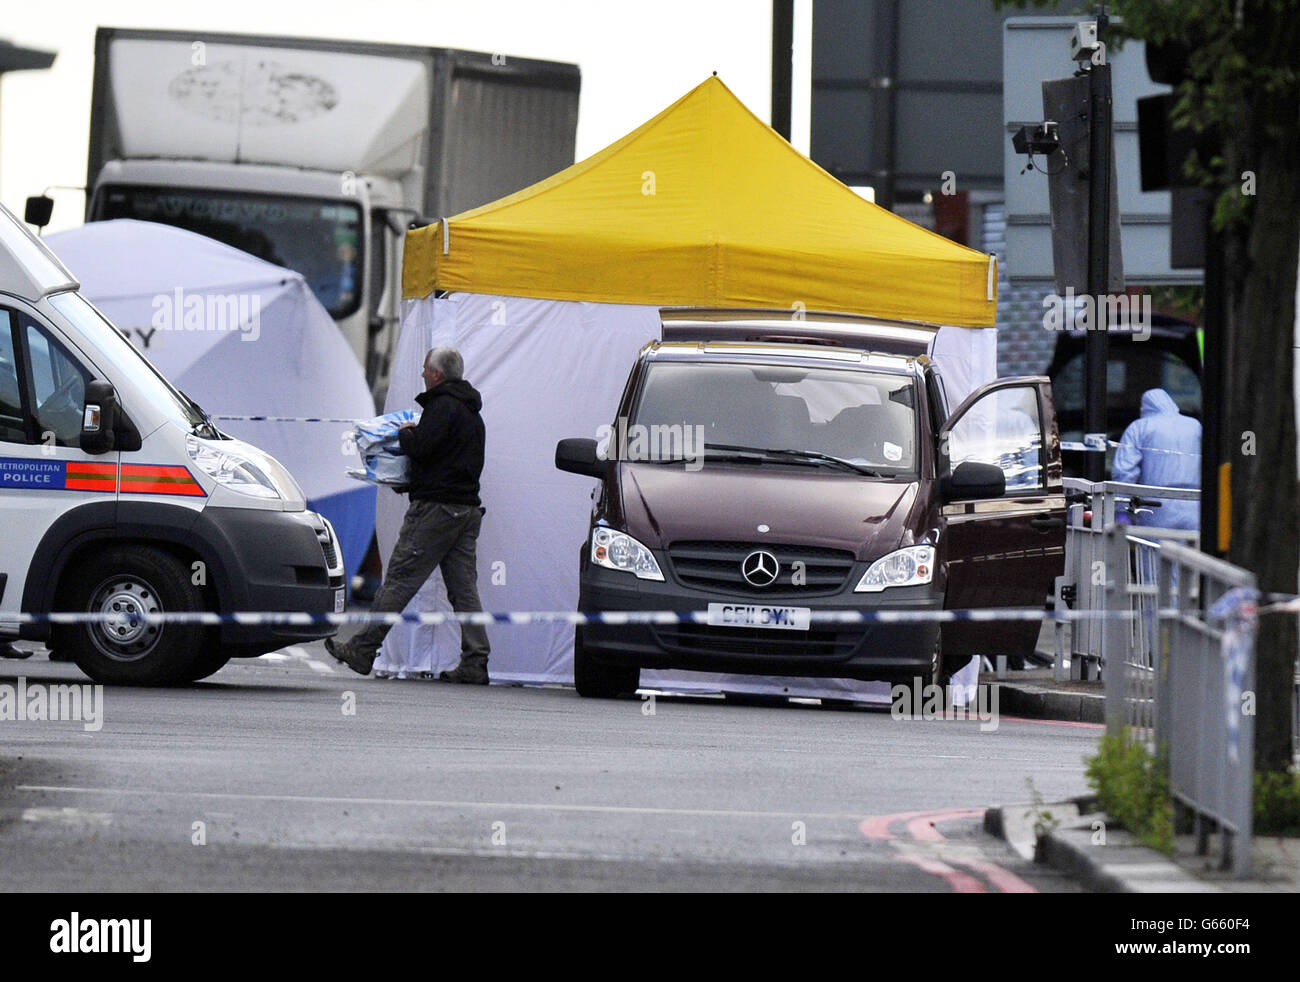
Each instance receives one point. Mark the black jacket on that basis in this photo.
(446, 446)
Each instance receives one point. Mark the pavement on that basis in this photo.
(1033, 694)
(1076, 839)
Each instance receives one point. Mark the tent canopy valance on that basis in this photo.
(704, 205)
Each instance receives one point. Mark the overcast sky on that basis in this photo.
(636, 58)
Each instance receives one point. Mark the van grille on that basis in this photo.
(716, 566)
(703, 639)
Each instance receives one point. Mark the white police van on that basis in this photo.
(118, 496)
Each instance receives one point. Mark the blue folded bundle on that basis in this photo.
(381, 455)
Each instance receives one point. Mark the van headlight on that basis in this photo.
(912, 566)
(233, 470)
(618, 550)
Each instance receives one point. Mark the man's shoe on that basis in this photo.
(465, 676)
(359, 663)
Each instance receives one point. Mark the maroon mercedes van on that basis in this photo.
(759, 469)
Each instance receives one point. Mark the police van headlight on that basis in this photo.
(618, 550)
(232, 470)
(912, 566)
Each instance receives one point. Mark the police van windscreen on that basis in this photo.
(317, 237)
(868, 418)
(108, 344)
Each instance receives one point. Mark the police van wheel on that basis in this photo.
(122, 583)
(211, 661)
(596, 680)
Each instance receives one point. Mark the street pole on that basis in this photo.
(1214, 383)
(1099, 153)
(782, 64)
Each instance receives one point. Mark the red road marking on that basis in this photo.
(1004, 880)
(1053, 722)
(959, 881)
(922, 827)
(878, 827)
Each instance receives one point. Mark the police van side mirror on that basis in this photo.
(973, 480)
(99, 418)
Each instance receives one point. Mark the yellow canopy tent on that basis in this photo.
(704, 205)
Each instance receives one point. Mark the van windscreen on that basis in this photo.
(867, 418)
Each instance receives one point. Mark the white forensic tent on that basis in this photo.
(241, 337)
(552, 291)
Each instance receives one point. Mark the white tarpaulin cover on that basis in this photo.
(547, 369)
(240, 337)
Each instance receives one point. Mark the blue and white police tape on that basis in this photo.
(285, 419)
(434, 618)
(1094, 446)
(1090, 445)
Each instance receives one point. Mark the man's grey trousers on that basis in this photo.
(434, 535)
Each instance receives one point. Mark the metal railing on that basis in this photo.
(1179, 689)
(1081, 587)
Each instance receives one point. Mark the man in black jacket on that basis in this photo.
(443, 520)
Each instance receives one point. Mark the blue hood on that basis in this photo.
(1158, 402)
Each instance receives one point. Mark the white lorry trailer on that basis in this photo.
(318, 154)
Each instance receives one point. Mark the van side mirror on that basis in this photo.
(99, 418)
(38, 210)
(973, 480)
(578, 456)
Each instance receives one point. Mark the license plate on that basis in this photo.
(339, 601)
(760, 615)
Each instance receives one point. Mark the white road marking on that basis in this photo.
(300, 654)
(416, 803)
(66, 816)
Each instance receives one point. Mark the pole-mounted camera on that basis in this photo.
(1040, 138)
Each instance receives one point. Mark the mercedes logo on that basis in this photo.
(760, 568)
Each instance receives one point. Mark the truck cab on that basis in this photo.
(769, 474)
(122, 503)
(342, 231)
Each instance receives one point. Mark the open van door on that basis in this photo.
(1003, 551)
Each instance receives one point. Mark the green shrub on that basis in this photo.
(1277, 803)
(1132, 787)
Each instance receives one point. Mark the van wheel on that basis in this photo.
(952, 664)
(934, 673)
(211, 661)
(595, 680)
(126, 581)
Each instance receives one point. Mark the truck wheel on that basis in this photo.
(134, 580)
(595, 680)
